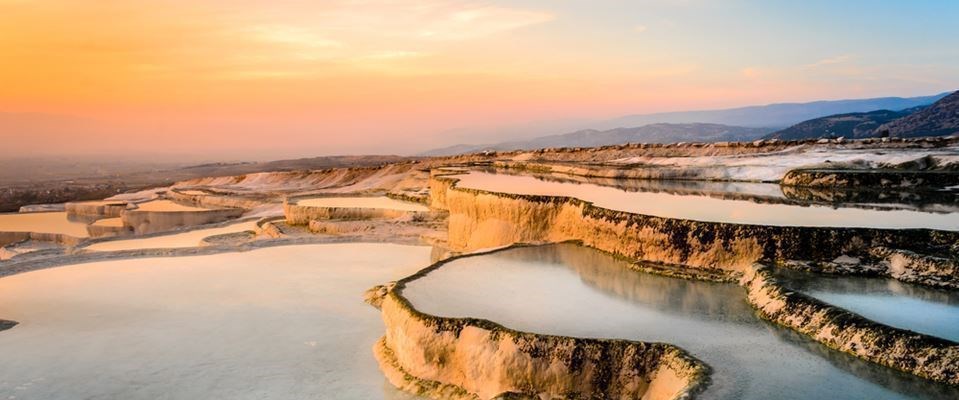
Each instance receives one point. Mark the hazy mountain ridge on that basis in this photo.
(764, 117)
(653, 133)
(780, 115)
(939, 119)
(851, 125)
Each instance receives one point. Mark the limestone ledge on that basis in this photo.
(302, 215)
(909, 266)
(267, 226)
(481, 219)
(59, 238)
(213, 199)
(891, 178)
(682, 182)
(100, 209)
(7, 324)
(904, 265)
(694, 149)
(468, 358)
(143, 222)
(97, 231)
(925, 356)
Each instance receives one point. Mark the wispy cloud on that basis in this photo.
(640, 28)
(391, 55)
(292, 35)
(456, 21)
(840, 59)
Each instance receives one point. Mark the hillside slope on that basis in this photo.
(939, 119)
(779, 115)
(655, 133)
(851, 125)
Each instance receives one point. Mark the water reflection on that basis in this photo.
(941, 201)
(569, 290)
(918, 308)
(614, 276)
(896, 381)
(42, 222)
(732, 208)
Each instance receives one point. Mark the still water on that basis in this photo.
(891, 302)
(276, 323)
(575, 291)
(42, 222)
(710, 209)
(172, 241)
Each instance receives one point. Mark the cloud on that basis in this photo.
(292, 35)
(640, 28)
(455, 21)
(391, 55)
(840, 59)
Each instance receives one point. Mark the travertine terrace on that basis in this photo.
(422, 203)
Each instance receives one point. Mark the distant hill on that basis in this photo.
(654, 133)
(769, 117)
(780, 115)
(939, 119)
(851, 125)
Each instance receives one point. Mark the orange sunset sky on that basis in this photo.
(273, 79)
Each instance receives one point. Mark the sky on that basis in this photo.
(243, 79)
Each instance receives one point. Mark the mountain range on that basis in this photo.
(734, 124)
(939, 119)
(851, 125)
(652, 133)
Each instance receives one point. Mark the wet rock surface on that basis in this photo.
(926, 356)
(871, 178)
(442, 357)
(5, 324)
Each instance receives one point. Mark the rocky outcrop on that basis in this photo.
(297, 214)
(870, 178)
(909, 266)
(101, 209)
(480, 219)
(105, 230)
(862, 197)
(606, 154)
(5, 324)
(13, 237)
(467, 358)
(267, 227)
(392, 177)
(213, 199)
(618, 171)
(143, 222)
(922, 355)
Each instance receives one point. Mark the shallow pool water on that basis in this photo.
(711, 209)
(42, 222)
(382, 202)
(167, 206)
(172, 241)
(275, 323)
(575, 291)
(921, 309)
